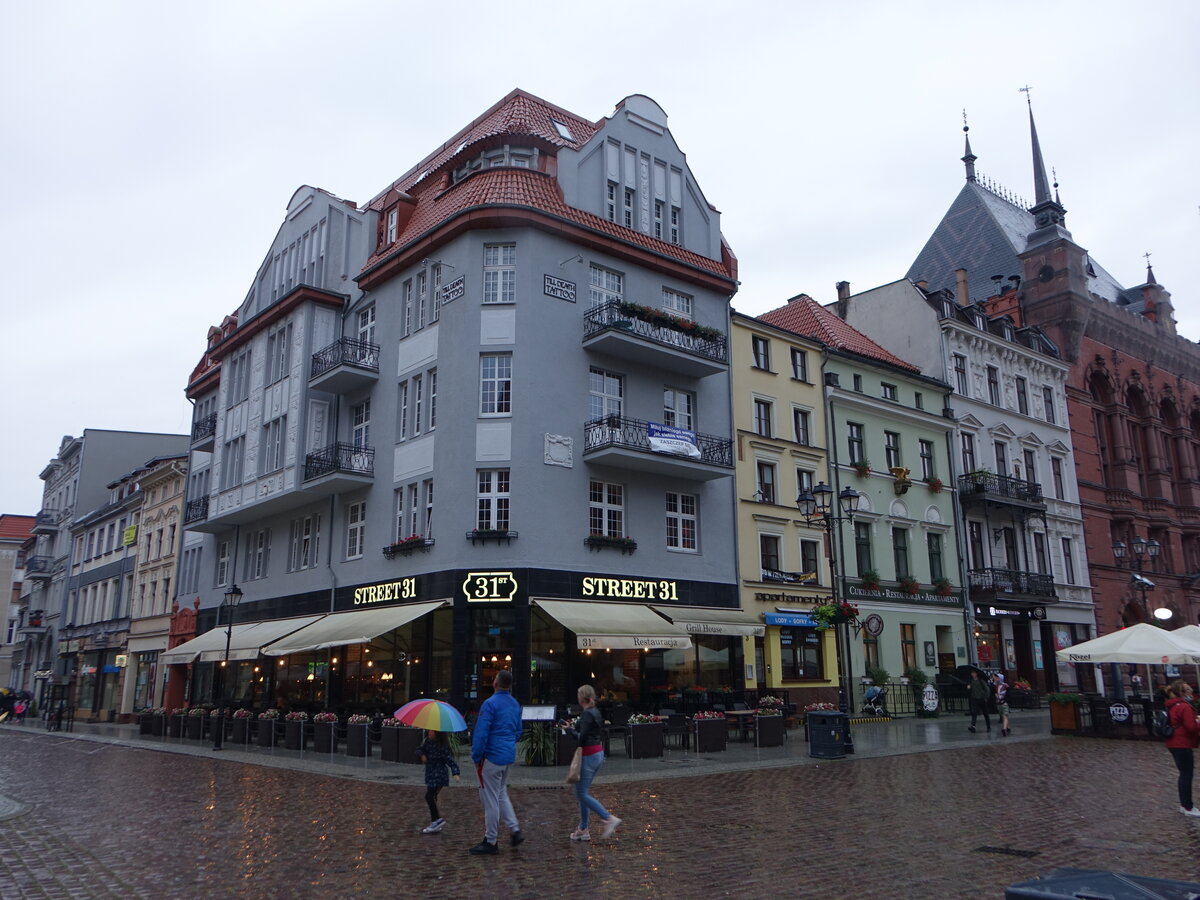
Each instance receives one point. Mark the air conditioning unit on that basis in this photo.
(832, 380)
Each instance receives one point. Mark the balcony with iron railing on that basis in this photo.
(39, 567)
(627, 443)
(339, 467)
(1011, 584)
(988, 487)
(195, 511)
(652, 337)
(345, 365)
(48, 520)
(204, 431)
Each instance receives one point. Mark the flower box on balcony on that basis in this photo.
(407, 546)
(490, 534)
(600, 541)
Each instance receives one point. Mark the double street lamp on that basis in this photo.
(233, 597)
(816, 505)
(1142, 550)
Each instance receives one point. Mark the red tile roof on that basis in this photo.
(805, 316)
(15, 528)
(508, 187)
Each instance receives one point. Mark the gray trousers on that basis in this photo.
(493, 792)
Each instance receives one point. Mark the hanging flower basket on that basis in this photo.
(935, 485)
(909, 585)
(827, 615)
(942, 587)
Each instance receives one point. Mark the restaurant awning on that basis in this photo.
(704, 620)
(615, 626)
(247, 644)
(189, 651)
(354, 627)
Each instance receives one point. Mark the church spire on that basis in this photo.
(969, 157)
(1048, 213)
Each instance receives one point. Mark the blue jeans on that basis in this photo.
(588, 803)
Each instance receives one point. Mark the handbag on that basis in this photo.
(576, 771)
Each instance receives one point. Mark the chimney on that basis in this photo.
(960, 287)
(843, 290)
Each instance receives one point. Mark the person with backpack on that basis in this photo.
(1185, 737)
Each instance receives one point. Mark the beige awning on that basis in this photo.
(248, 643)
(615, 626)
(190, 650)
(357, 626)
(705, 620)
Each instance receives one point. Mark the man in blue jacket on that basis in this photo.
(494, 750)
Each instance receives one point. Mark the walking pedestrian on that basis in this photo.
(978, 695)
(435, 753)
(591, 727)
(1183, 741)
(1000, 690)
(494, 750)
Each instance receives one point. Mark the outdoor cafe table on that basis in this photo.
(742, 717)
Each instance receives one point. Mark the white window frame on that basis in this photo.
(604, 286)
(360, 424)
(679, 408)
(499, 273)
(356, 529)
(366, 324)
(221, 576)
(274, 444)
(495, 384)
(606, 509)
(606, 393)
(493, 499)
(677, 303)
(304, 545)
(683, 525)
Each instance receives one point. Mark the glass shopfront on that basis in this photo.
(144, 670)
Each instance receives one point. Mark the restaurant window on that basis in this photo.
(800, 653)
(862, 547)
(908, 646)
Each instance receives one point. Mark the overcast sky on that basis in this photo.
(149, 150)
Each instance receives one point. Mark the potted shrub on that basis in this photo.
(294, 737)
(879, 675)
(935, 485)
(712, 731)
(266, 727)
(862, 467)
(399, 742)
(325, 732)
(909, 585)
(241, 726)
(358, 742)
(195, 723)
(646, 735)
(869, 580)
(942, 587)
(768, 722)
(538, 744)
(1064, 711)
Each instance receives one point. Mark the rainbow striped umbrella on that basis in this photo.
(433, 715)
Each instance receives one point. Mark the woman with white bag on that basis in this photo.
(588, 759)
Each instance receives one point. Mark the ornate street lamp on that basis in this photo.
(233, 597)
(816, 505)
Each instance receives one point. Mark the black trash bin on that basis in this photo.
(828, 734)
(1068, 884)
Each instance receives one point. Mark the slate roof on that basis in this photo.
(983, 233)
(805, 316)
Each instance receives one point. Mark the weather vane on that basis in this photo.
(1026, 91)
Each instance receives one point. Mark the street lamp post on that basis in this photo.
(817, 508)
(233, 597)
(1142, 550)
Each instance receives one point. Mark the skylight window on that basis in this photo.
(563, 131)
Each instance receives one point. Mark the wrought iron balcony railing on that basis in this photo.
(679, 334)
(622, 431)
(1011, 581)
(346, 352)
(49, 519)
(204, 428)
(39, 566)
(195, 511)
(1003, 486)
(340, 457)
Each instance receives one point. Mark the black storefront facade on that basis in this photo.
(555, 629)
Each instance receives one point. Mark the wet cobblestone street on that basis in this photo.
(92, 820)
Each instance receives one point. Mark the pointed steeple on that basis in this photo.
(1149, 270)
(1049, 216)
(969, 157)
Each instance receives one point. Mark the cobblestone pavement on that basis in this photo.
(106, 820)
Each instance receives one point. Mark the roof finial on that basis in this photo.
(1149, 270)
(969, 157)
(1054, 175)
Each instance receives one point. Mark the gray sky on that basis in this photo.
(149, 150)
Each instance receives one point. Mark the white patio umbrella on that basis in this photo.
(1188, 636)
(1141, 644)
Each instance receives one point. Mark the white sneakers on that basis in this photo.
(434, 827)
(1194, 811)
(580, 835)
(610, 825)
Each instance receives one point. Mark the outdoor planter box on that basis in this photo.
(266, 733)
(1064, 716)
(768, 731)
(195, 728)
(157, 725)
(400, 744)
(567, 744)
(175, 729)
(295, 736)
(646, 740)
(145, 723)
(711, 734)
(241, 731)
(324, 737)
(358, 742)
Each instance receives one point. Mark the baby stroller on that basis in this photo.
(875, 701)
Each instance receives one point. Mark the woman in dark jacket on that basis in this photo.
(589, 734)
(1183, 741)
